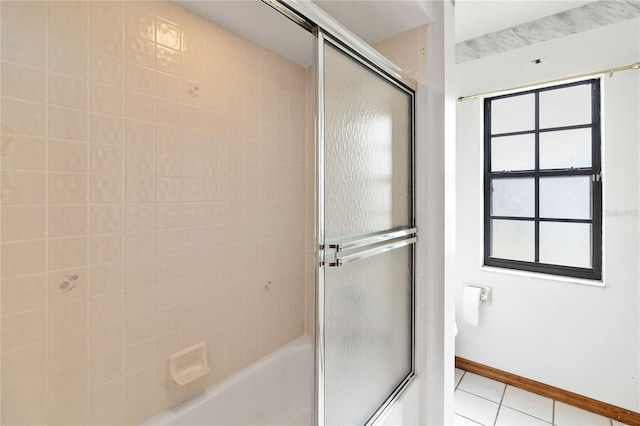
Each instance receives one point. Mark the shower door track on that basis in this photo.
(309, 16)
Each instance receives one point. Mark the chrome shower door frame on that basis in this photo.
(394, 239)
(327, 29)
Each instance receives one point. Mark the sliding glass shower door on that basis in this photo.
(366, 232)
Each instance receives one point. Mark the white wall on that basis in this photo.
(434, 305)
(581, 338)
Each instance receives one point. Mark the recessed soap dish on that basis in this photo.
(189, 364)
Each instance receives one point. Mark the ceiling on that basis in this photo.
(371, 20)
(478, 17)
(375, 20)
(256, 21)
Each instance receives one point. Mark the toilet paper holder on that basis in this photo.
(485, 292)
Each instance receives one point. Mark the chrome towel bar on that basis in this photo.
(337, 254)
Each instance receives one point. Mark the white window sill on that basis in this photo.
(548, 277)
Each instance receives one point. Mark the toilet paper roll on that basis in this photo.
(471, 305)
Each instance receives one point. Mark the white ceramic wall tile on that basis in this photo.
(107, 129)
(24, 328)
(68, 318)
(106, 188)
(104, 368)
(106, 339)
(28, 396)
(139, 355)
(139, 106)
(23, 82)
(67, 58)
(407, 50)
(106, 308)
(106, 248)
(67, 156)
(67, 26)
(66, 383)
(105, 39)
(529, 403)
(106, 403)
(139, 300)
(23, 364)
(475, 408)
(139, 244)
(140, 272)
(67, 91)
(117, 171)
(23, 223)
(66, 286)
(107, 99)
(26, 15)
(66, 123)
(139, 217)
(23, 117)
(67, 188)
(66, 253)
(23, 152)
(139, 383)
(106, 218)
(106, 278)
(140, 79)
(24, 47)
(510, 417)
(108, 70)
(67, 221)
(23, 293)
(67, 350)
(568, 415)
(139, 327)
(142, 52)
(482, 386)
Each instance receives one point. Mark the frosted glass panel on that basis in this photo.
(513, 114)
(565, 107)
(367, 334)
(566, 148)
(367, 189)
(565, 244)
(513, 153)
(513, 239)
(565, 197)
(513, 197)
(367, 150)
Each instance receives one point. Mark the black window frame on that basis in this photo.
(595, 171)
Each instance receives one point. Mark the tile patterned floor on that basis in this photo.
(482, 401)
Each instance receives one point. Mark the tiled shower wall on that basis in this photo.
(408, 51)
(153, 196)
(310, 244)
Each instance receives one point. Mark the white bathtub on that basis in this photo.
(275, 390)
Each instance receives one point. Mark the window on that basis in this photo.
(542, 186)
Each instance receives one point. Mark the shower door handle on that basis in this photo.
(361, 248)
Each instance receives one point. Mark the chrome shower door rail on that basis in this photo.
(338, 254)
(372, 239)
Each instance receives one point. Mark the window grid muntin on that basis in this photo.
(595, 272)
